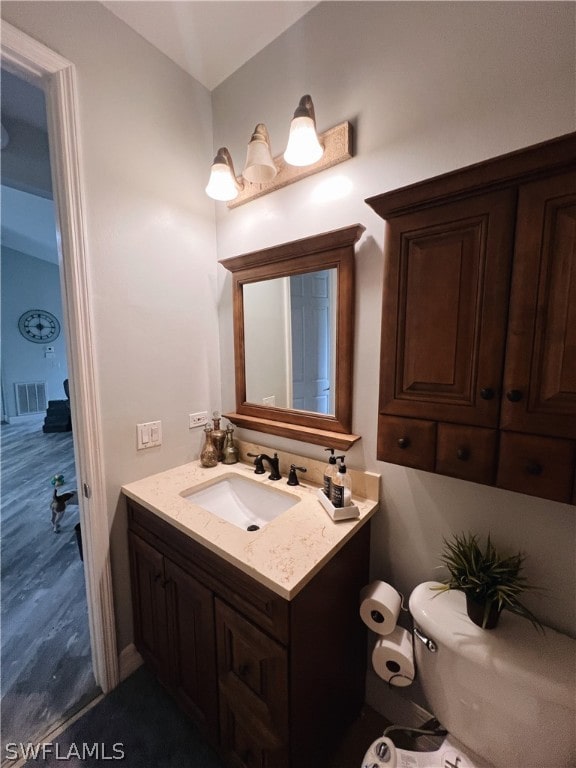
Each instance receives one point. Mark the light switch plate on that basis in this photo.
(148, 434)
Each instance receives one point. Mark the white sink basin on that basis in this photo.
(241, 501)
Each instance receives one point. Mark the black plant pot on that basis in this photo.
(476, 611)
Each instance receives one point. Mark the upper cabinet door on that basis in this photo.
(445, 310)
(540, 373)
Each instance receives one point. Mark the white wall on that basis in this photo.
(430, 87)
(146, 131)
(30, 283)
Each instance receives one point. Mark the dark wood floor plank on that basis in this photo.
(45, 648)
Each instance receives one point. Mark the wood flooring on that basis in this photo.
(45, 645)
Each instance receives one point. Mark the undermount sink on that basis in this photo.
(241, 501)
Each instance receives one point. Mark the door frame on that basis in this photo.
(33, 61)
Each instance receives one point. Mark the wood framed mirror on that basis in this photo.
(293, 307)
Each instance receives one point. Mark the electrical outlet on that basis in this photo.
(198, 419)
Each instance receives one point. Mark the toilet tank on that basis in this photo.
(509, 694)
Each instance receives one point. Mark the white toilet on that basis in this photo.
(507, 697)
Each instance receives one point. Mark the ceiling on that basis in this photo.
(211, 39)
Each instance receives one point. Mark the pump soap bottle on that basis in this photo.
(329, 472)
(341, 486)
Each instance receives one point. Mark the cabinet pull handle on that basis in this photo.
(534, 469)
(514, 395)
(404, 442)
(243, 670)
(157, 577)
(487, 393)
(463, 454)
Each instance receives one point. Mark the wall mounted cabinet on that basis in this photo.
(272, 682)
(478, 351)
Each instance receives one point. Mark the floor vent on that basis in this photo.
(30, 397)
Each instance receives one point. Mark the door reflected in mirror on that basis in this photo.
(290, 341)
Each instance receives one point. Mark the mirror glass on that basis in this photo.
(290, 341)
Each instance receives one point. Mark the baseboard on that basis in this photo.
(393, 705)
(24, 418)
(128, 661)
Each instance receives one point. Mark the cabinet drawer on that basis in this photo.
(410, 442)
(253, 687)
(538, 466)
(466, 452)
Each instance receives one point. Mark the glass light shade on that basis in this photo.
(303, 145)
(259, 167)
(222, 184)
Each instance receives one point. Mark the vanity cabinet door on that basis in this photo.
(193, 653)
(540, 373)
(149, 606)
(253, 688)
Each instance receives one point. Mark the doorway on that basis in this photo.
(45, 643)
(35, 63)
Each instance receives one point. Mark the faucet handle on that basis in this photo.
(257, 463)
(292, 476)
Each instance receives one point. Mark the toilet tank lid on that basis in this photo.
(546, 662)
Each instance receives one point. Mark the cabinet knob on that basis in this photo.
(404, 442)
(514, 395)
(487, 393)
(534, 469)
(463, 454)
(243, 670)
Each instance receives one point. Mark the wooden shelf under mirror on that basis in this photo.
(293, 308)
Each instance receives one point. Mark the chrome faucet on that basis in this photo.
(274, 465)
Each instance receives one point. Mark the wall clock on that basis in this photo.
(39, 326)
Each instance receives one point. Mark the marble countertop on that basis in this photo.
(286, 553)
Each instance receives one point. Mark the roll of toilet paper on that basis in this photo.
(393, 657)
(379, 607)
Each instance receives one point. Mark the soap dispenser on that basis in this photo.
(329, 472)
(341, 486)
(209, 454)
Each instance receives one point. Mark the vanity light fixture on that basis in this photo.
(223, 184)
(303, 145)
(306, 153)
(259, 166)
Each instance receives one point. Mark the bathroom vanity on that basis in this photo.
(255, 633)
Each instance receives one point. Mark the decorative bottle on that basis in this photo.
(209, 454)
(218, 435)
(230, 452)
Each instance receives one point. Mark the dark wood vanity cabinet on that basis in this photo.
(272, 682)
(478, 351)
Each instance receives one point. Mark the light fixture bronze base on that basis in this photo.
(337, 142)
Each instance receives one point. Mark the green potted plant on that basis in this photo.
(490, 581)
